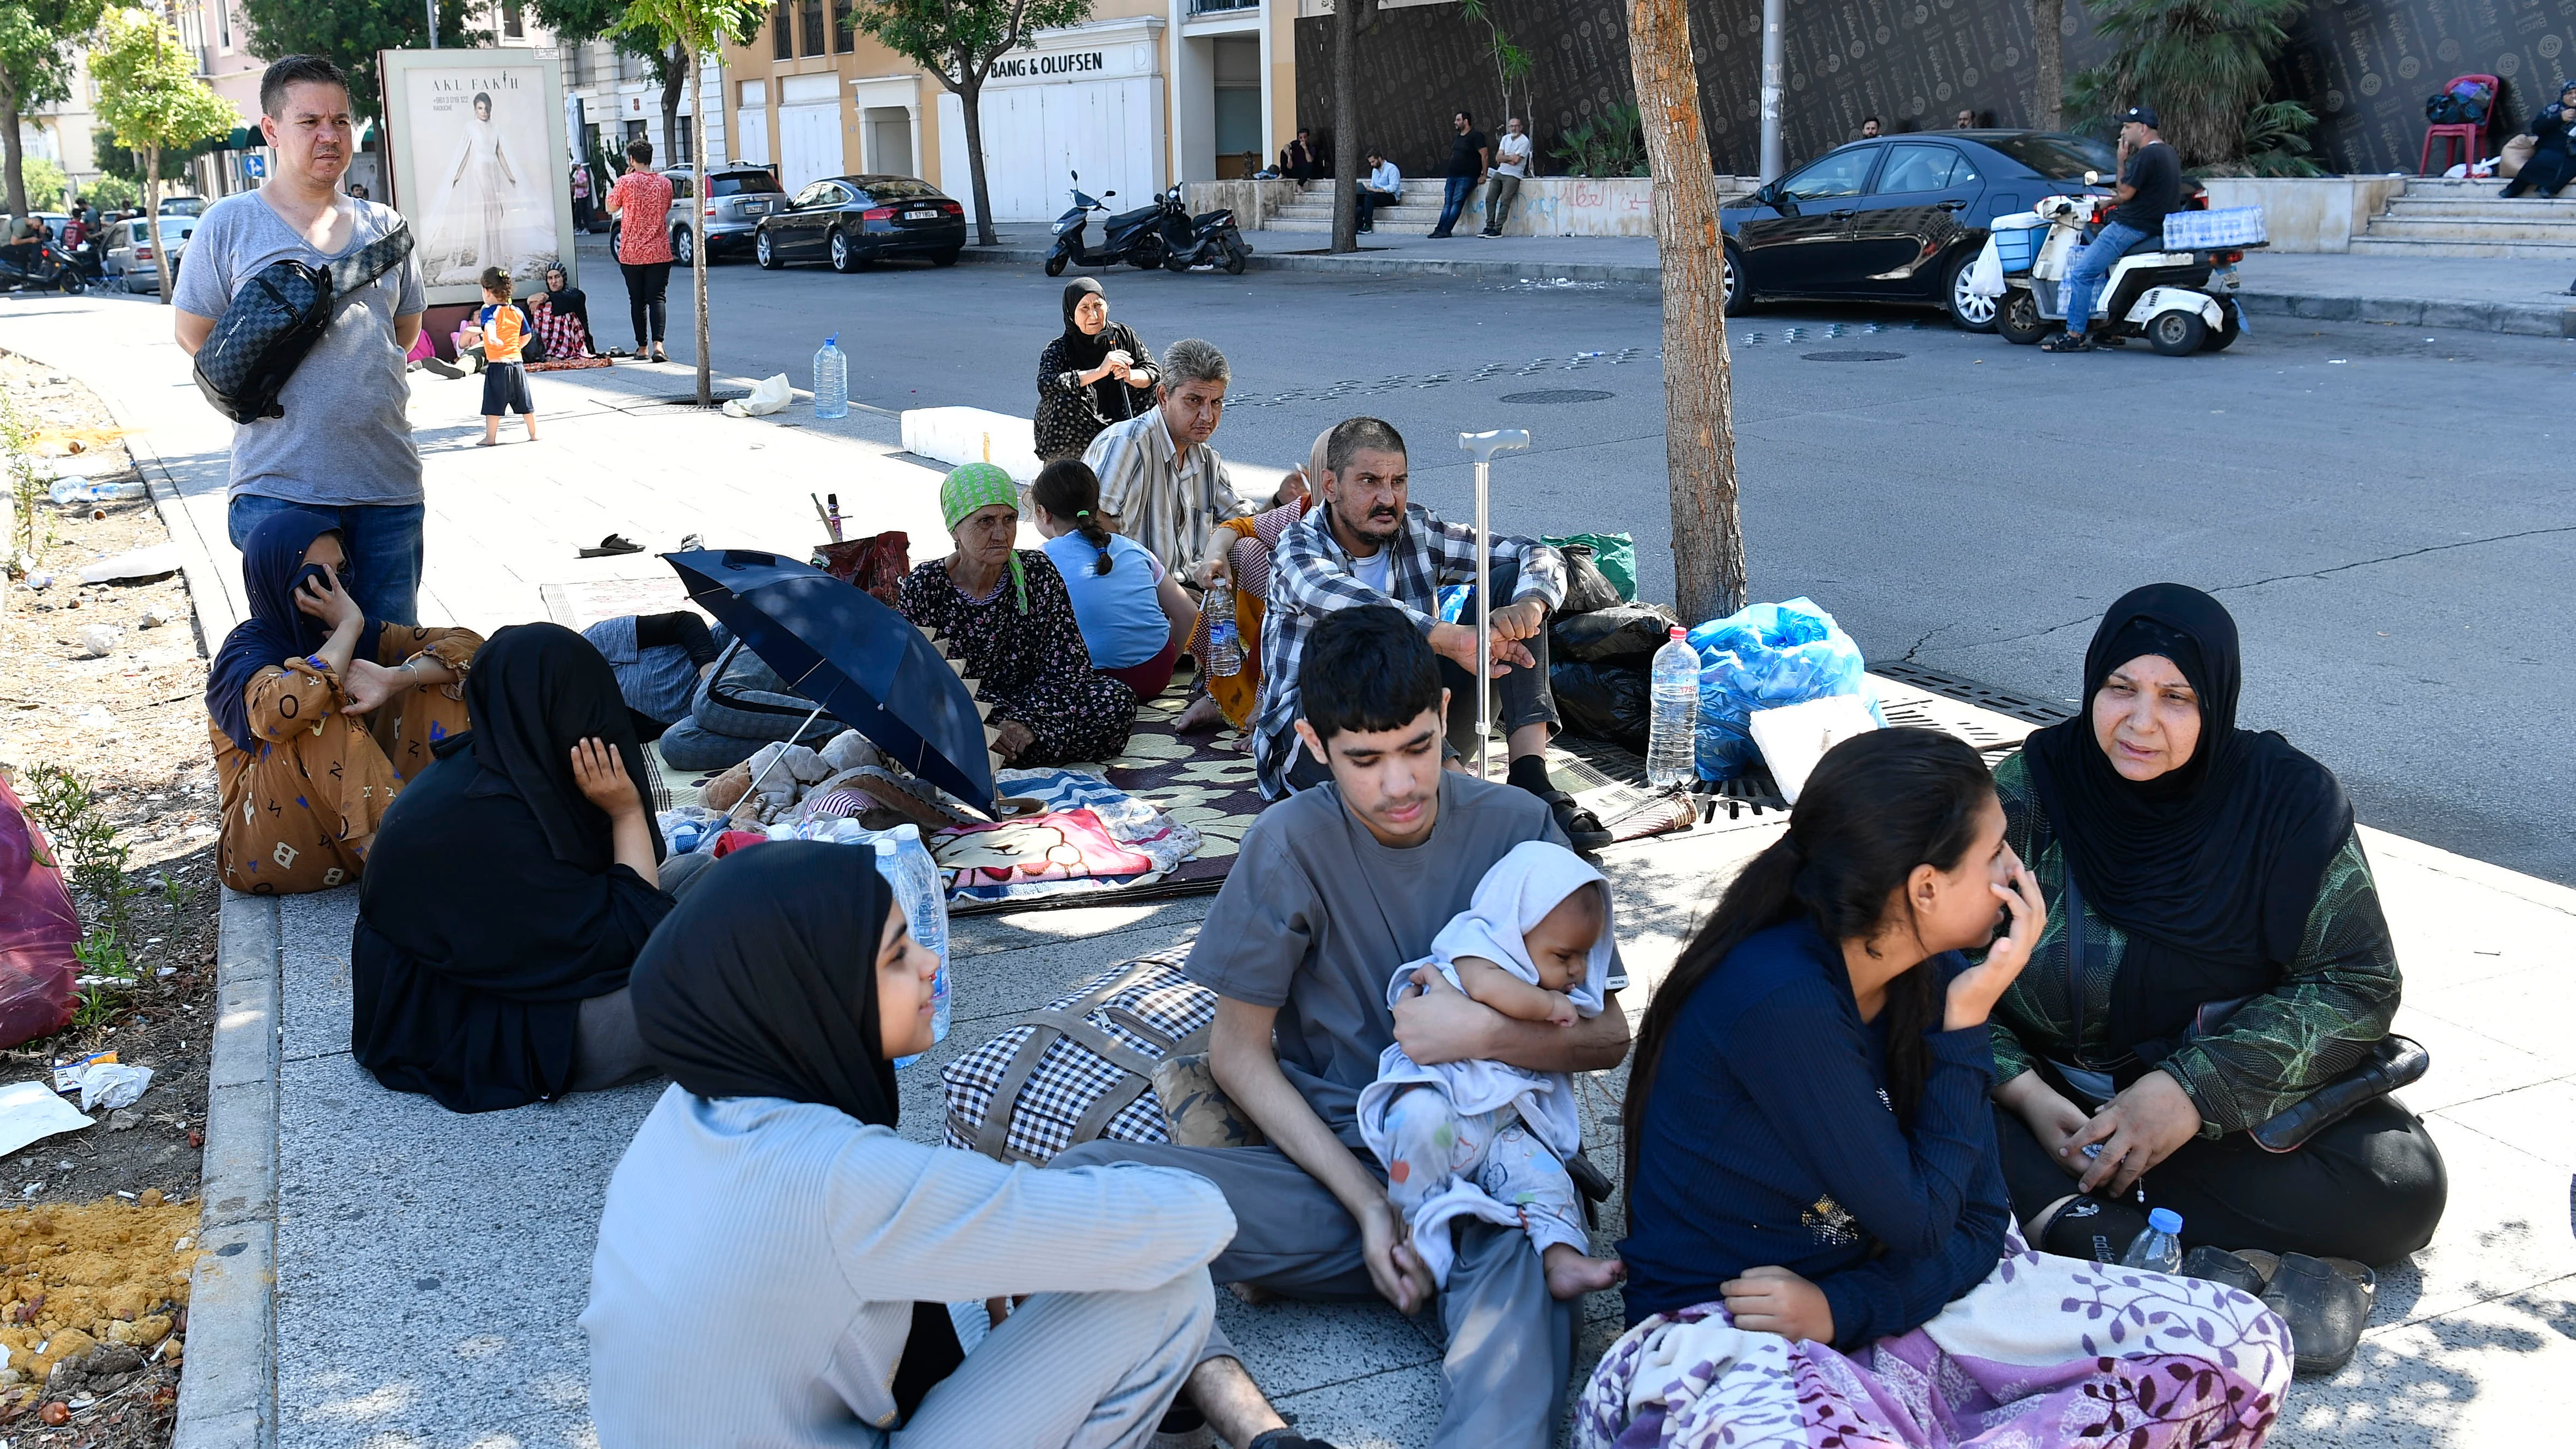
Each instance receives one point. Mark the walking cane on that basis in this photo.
(1485, 446)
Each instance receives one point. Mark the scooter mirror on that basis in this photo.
(1077, 176)
(1107, 194)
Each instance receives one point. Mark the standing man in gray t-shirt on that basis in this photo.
(343, 446)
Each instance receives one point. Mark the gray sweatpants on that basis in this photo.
(1083, 1370)
(1510, 1344)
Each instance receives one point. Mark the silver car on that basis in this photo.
(129, 256)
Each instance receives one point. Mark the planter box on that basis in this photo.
(2308, 213)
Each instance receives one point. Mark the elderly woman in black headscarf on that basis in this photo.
(2553, 161)
(769, 1229)
(510, 887)
(2218, 979)
(1096, 374)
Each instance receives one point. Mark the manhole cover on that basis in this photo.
(1852, 354)
(1557, 395)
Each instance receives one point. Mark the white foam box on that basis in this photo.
(1794, 737)
(972, 435)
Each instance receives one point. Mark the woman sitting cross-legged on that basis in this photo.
(1006, 615)
(2219, 959)
(1819, 1243)
(511, 887)
(1132, 611)
(768, 1229)
(319, 714)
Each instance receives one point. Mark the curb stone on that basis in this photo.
(1481, 271)
(228, 1388)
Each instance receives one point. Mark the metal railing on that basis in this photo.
(1222, 7)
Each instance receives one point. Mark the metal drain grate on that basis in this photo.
(1548, 396)
(1853, 354)
(1969, 691)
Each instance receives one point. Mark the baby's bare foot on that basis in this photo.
(1571, 1275)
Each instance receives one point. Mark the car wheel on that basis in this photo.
(684, 247)
(763, 252)
(947, 258)
(1968, 311)
(2176, 334)
(845, 258)
(2017, 317)
(1055, 265)
(2230, 327)
(1739, 298)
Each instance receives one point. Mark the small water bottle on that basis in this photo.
(909, 871)
(2159, 1248)
(1225, 649)
(1670, 736)
(831, 380)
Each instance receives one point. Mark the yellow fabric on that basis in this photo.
(1239, 695)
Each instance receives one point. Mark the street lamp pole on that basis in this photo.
(1774, 19)
(433, 23)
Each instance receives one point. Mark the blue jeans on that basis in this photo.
(1453, 199)
(2085, 279)
(383, 544)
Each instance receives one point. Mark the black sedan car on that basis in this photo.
(1897, 218)
(851, 221)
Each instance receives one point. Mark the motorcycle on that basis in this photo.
(40, 266)
(2182, 301)
(1209, 239)
(1133, 237)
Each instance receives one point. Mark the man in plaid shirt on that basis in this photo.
(1367, 545)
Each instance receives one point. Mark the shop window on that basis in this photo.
(684, 143)
(810, 21)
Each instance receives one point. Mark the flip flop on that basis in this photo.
(615, 543)
(2326, 1302)
(1581, 826)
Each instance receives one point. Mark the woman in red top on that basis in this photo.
(641, 201)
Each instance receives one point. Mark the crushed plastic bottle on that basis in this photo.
(831, 380)
(2159, 1248)
(1673, 688)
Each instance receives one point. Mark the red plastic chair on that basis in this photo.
(2470, 134)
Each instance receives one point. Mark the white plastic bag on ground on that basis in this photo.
(143, 563)
(771, 394)
(1986, 273)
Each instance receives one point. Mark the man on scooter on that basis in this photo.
(2150, 189)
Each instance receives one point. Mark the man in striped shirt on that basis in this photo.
(1367, 544)
(1160, 482)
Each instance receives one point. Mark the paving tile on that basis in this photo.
(2527, 1008)
(2540, 1120)
(1393, 1409)
(2504, 1230)
(1292, 1347)
(2494, 1373)
(2468, 1064)
(1012, 930)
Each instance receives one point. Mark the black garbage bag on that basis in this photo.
(1586, 587)
(1604, 700)
(1617, 632)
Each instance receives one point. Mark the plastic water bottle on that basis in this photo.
(913, 876)
(1225, 649)
(1674, 689)
(831, 380)
(2159, 1248)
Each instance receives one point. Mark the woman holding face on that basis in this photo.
(2216, 955)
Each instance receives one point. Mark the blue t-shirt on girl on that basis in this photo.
(1122, 620)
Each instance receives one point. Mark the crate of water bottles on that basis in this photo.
(2224, 226)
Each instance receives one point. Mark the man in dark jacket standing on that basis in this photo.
(1467, 160)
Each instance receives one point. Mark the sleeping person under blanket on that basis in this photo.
(1480, 1138)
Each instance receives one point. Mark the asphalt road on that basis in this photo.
(2388, 513)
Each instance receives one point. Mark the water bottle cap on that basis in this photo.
(884, 844)
(1678, 632)
(832, 341)
(2165, 1220)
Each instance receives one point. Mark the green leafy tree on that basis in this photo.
(117, 161)
(1513, 64)
(149, 95)
(36, 41)
(958, 41)
(577, 22)
(46, 183)
(350, 32)
(2206, 66)
(112, 193)
(695, 28)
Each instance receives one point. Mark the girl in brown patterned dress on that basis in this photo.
(318, 713)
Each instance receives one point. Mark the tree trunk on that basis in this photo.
(970, 95)
(1699, 421)
(1346, 125)
(2048, 66)
(698, 233)
(15, 149)
(673, 75)
(152, 217)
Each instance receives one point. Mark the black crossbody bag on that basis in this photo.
(274, 321)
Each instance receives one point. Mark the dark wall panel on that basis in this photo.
(2365, 67)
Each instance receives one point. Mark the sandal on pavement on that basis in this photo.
(1581, 826)
(615, 543)
(2065, 342)
(2326, 1302)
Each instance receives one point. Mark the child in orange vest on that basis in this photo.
(501, 334)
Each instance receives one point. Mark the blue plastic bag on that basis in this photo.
(1763, 657)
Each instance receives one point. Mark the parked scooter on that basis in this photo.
(40, 267)
(1209, 239)
(2181, 301)
(1134, 237)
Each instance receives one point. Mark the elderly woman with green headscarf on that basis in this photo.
(1005, 614)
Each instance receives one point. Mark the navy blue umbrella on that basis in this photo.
(865, 664)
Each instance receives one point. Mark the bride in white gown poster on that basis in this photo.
(481, 184)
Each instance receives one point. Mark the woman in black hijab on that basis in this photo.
(769, 1228)
(510, 887)
(2218, 959)
(1096, 374)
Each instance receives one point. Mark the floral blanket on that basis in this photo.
(2047, 1353)
(1090, 836)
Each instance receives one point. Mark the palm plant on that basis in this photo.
(2206, 67)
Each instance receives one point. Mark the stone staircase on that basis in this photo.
(1312, 211)
(2440, 217)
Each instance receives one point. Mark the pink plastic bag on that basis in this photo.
(38, 929)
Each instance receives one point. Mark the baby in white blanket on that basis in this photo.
(1485, 1139)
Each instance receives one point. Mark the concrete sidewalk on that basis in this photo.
(2479, 294)
(410, 1277)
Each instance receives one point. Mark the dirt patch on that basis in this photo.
(132, 725)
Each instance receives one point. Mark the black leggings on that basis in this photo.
(645, 284)
(2371, 1187)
